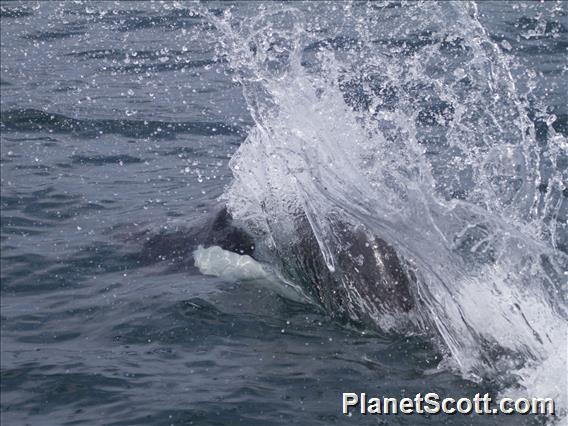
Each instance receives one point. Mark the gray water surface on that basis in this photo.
(118, 122)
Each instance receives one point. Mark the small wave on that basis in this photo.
(15, 11)
(175, 65)
(29, 120)
(101, 160)
(70, 30)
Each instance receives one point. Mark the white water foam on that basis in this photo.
(232, 267)
(228, 265)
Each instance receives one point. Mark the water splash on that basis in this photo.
(405, 120)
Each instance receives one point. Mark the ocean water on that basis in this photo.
(438, 127)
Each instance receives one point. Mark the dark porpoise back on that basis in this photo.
(176, 244)
(369, 277)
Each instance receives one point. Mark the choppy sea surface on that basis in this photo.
(440, 126)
